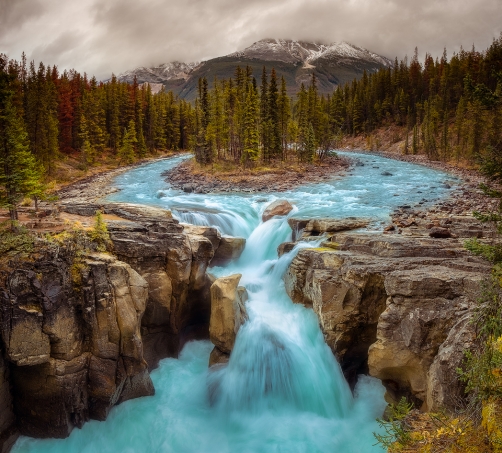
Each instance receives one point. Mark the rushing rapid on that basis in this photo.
(282, 390)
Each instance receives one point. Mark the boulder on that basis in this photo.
(285, 247)
(297, 225)
(316, 227)
(228, 313)
(230, 249)
(278, 207)
(218, 357)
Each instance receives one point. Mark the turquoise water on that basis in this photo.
(282, 390)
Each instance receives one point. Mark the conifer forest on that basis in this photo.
(447, 108)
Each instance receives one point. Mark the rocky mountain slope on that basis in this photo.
(333, 64)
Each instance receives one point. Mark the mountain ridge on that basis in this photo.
(334, 64)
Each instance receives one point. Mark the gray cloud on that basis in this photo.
(101, 37)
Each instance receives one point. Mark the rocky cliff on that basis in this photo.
(396, 307)
(80, 330)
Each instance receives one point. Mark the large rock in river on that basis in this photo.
(278, 207)
(228, 313)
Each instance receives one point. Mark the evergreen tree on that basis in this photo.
(20, 174)
(251, 133)
(127, 152)
(275, 141)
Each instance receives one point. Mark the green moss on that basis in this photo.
(14, 241)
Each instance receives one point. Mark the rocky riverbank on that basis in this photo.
(80, 330)
(396, 306)
(189, 178)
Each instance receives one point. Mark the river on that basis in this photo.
(283, 390)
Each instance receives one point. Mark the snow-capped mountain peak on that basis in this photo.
(291, 51)
(334, 64)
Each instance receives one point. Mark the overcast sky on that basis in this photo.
(105, 36)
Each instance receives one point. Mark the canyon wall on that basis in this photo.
(80, 330)
(395, 307)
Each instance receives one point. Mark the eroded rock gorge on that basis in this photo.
(396, 307)
(80, 335)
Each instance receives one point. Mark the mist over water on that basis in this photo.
(283, 390)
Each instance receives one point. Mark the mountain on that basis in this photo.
(333, 64)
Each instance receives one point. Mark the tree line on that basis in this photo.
(241, 121)
(46, 116)
(447, 109)
(450, 109)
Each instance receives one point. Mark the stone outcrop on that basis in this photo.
(278, 207)
(124, 210)
(228, 313)
(80, 334)
(230, 249)
(303, 228)
(444, 389)
(397, 307)
(174, 265)
(72, 339)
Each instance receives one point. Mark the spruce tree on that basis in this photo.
(275, 142)
(127, 152)
(20, 173)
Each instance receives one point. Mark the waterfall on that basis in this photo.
(282, 390)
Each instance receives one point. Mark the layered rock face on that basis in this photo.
(79, 335)
(228, 313)
(396, 307)
(174, 266)
(72, 340)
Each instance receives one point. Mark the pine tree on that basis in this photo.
(20, 174)
(275, 141)
(308, 145)
(127, 152)
(251, 133)
(284, 117)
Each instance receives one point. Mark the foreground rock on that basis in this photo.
(124, 210)
(393, 306)
(72, 340)
(80, 333)
(228, 313)
(278, 207)
(174, 265)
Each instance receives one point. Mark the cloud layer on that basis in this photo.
(101, 37)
